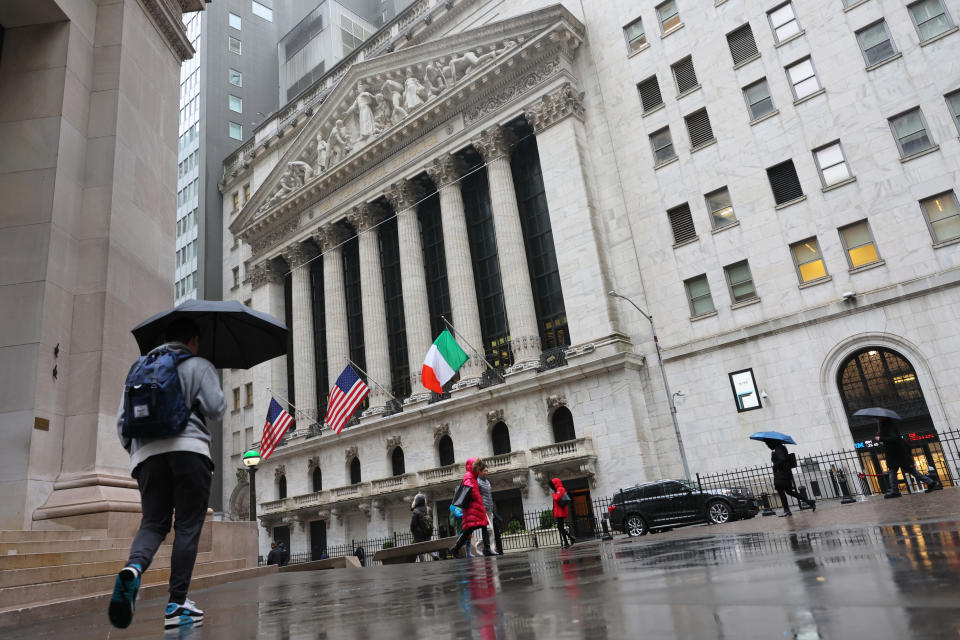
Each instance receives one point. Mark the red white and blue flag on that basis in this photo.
(345, 396)
(278, 421)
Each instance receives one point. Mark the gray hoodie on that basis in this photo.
(487, 492)
(200, 384)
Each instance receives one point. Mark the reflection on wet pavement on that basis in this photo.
(894, 581)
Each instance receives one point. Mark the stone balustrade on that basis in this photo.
(507, 461)
(275, 506)
(563, 451)
(394, 483)
(441, 474)
(350, 491)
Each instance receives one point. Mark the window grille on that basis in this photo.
(699, 129)
(650, 96)
(743, 47)
(681, 221)
(684, 75)
(784, 182)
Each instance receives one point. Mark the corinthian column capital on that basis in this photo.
(365, 216)
(330, 236)
(299, 253)
(267, 272)
(403, 195)
(446, 169)
(495, 142)
(554, 107)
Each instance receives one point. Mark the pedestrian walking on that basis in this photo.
(284, 553)
(474, 515)
(783, 462)
(487, 492)
(561, 511)
(897, 453)
(274, 556)
(163, 428)
(360, 555)
(421, 522)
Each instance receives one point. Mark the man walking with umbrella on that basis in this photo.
(783, 463)
(896, 451)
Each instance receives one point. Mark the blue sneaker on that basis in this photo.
(178, 615)
(126, 588)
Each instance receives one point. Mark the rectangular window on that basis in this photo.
(234, 20)
(759, 102)
(930, 18)
(721, 208)
(236, 398)
(236, 277)
(783, 21)
(803, 79)
(743, 46)
(858, 243)
(669, 15)
(681, 222)
(662, 145)
(910, 131)
(943, 216)
(684, 75)
(740, 282)
(246, 193)
(832, 164)
(953, 104)
(636, 38)
(699, 129)
(876, 43)
(236, 131)
(650, 96)
(262, 11)
(234, 45)
(808, 260)
(698, 295)
(236, 78)
(249, 389)
(236, 200)
(236, 104)
(784, 182)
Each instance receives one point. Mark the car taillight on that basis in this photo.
(610, 509)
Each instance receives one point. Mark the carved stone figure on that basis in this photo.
(461, 65)
(363, 107)
(339, 143)
(321, 158)
(394, 92)
(381, 114)
(302, 170)
(414, 93)
(433, 80)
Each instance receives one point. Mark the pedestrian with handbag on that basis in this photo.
(898, 456)
(561, 511)
(468, 498)
(783, 462)
(487, 492)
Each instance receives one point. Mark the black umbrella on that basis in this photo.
(232, 335)
(878, 412)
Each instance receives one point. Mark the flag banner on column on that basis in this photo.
(345, 396)
(443, 360)
(278, 421)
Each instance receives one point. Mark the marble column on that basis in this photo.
(266, 280)
(376, 347)
(298, 257)
(494, 145)
(329, 238)
(416, 309)
(444, 172)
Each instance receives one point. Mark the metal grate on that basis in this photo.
(742, 45)
(684, 75)
(650, 95)
(784, 182)
(681, 221)
(699, 129)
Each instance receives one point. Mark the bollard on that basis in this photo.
(803, 493)
(765, 501)
(606, 531)
(844, 489)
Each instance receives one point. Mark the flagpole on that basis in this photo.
(295, 410)
(472, 348)
(375, 383)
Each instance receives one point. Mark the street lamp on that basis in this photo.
(250, 460)
(666, 385)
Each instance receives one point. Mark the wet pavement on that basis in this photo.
(895, 580)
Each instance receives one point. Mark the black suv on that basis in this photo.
(670, 503)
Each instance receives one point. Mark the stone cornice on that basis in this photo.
(166, 16)
(551, 109)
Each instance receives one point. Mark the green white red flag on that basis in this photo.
(443, 360)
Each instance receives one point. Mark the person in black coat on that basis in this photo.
(418, 519)
(897, 453)
(274, 556)
(783, 478)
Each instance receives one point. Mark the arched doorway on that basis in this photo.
(445, 450)
(500, 435)
(563, 425)
(882, 377)
(355, 471)
(317, 479)
(282, 487)
(396, 460)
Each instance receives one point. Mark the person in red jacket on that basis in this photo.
(561, 513)
(474, 516)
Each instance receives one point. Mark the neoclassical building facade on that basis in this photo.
(499, 168)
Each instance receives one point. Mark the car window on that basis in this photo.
(651, 491)
(671, 488)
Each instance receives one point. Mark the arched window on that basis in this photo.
(563, 425)
(397, 459)
(282, 487)
(317, 479)
(445, 449)
(501, 438)
(355, 471)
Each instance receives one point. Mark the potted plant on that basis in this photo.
(547, 535)
(515, 537)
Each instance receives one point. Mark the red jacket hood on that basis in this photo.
(557, 484)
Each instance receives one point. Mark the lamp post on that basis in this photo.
(666, 385)
(250, 460)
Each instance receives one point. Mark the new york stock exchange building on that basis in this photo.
(502, 167)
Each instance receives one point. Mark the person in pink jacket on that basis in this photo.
(561, 513)
(474, 516)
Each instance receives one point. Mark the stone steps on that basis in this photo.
(60, 558)
(52, 546)
(43, 574)
(52, 534)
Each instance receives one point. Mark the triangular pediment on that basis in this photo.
(402, 90)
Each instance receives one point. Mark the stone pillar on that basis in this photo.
(266, 280)
(444, 172)
(334, 299)
(304, 357)
(557, 120)
(494, 145)
(376, 347)
(403, 196)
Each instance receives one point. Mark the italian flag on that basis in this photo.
(443, 360)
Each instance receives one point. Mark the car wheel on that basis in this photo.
(635, 526)
(718, 512)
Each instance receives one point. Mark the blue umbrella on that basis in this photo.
(776, 436)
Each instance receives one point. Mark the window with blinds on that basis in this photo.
(684, 75)
(681, 221)
(650, 96)
(743, 47)
(784, 182)
(699, 129)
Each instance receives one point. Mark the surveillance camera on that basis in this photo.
(848, 295)
(763, 394)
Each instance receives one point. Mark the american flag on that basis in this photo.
(344, 398)
(278, 420)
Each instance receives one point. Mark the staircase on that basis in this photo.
(55, 574)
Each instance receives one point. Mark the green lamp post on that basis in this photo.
(250, 460)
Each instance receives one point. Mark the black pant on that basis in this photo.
(465, 538)
(496, 534)
(907, 467)
(565, 537)
(177, 481)
(783, 493)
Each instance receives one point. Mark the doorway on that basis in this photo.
(583, 521)
(318, 539)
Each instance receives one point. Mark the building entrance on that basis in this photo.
(318, 539)
(583, 522)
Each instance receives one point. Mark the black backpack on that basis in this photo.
(153, 402)
(426, 523)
